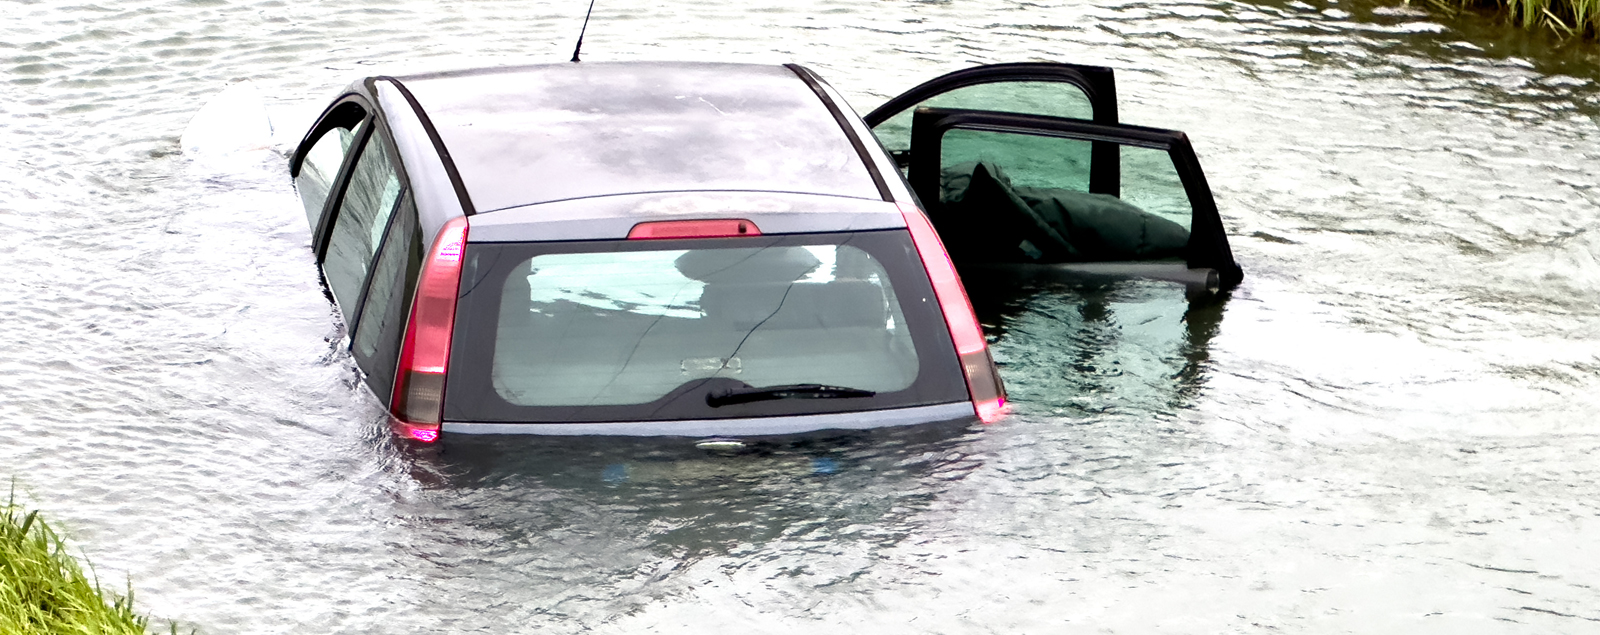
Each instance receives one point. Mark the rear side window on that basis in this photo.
(358, 228)
(382, 322)
(646, 330)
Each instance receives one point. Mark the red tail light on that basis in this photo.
(418, 404)
(983, 383)
(694, 229)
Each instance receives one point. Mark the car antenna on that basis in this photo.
(579, 47)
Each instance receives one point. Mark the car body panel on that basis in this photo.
(527, 135)
(611, 217)
(880, 160)
(750, 426)
(435, 193)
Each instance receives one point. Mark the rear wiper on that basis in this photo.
(792, 391)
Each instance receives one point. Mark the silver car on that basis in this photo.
(719, 250)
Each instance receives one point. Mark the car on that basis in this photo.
(718, 251)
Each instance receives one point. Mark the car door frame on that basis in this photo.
(1098, 83)
(1208, 240)
(326, 122)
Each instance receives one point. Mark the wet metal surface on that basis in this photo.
(1389, 428)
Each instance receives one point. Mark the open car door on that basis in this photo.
(1025, 165)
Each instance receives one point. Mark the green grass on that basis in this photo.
(43, 590)
(1567, 17)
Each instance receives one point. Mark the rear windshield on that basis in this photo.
(641, 330)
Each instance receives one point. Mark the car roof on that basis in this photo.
(536, 134)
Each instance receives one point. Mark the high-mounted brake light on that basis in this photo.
(718, 228)
(418, 404)
(983, 383)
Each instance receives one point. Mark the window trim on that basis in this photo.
(330, 210)
(1098, 83)
(330, 119)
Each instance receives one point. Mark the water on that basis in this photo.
(1388, 428)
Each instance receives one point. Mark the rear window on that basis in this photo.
(646, 330)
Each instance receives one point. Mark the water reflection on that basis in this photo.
(1071, 343)
(574, 532)
(668, 499)
(1437, 35)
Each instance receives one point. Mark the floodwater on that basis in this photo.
(1389, 428)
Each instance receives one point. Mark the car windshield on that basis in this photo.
(692, 329)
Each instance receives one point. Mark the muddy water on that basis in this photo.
(1389, 428)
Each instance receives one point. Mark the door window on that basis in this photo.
(376, 344)
(319, 168)
(1150, 181)
(1038, 166)
(358, 227)
(1056, 99)
(1008, 188)
(1028, 160)
(1049, 89)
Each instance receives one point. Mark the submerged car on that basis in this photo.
(719, 250)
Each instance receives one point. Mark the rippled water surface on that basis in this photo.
(1389, 428)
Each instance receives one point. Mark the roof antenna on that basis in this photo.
(579, 47)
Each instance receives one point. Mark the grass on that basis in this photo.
(43, 590)
(1567, 17)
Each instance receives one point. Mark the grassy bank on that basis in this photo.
(43, 590)
(1567, 17)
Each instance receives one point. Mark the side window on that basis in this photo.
(1035, 164)
(383, 319)
(1056, 99)
(1025, 195)
(320, 165)
(363, 214)
(1029, 160)
(1151, 182)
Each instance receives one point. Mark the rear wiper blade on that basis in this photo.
(792, 391)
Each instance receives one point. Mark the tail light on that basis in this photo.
(418, 403)
(983, 383)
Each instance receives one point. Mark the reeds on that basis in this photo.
(1566, 17)
(43, 590)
